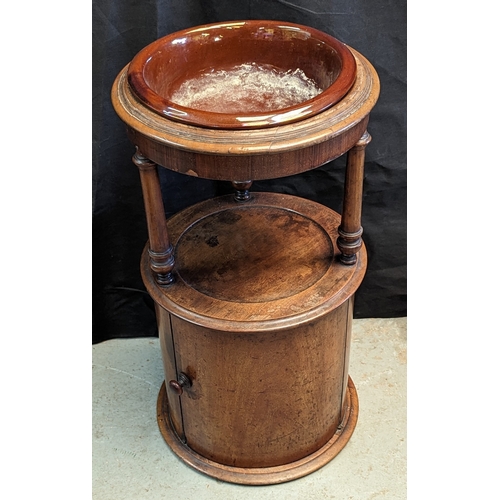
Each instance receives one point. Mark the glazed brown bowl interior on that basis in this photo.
(161, 68)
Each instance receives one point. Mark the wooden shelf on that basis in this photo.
(268, 263)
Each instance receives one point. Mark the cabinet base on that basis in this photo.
(261, 475)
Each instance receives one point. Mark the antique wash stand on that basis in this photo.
(253, 291)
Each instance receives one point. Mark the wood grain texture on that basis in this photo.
(161, 257)
(247, 247)
(242, 155)
(267, 362)
(350, 230)
(169, 368)
(262, 475)
(266, 399)
(219, 302)
(252, 291)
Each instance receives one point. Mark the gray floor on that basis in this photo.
(132, 461)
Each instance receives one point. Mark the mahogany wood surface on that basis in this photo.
(239, 272)
(262, 400)
(258, 320)
(254, 291)
(243, 155)
(160, 250)
(262, 475)
(350, 230)
(169, 368)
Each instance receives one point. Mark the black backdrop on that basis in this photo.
(376, 28)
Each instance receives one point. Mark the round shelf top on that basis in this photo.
(234, 254)
(242, 74)
(271, 262)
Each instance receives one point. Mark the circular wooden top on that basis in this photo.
(222, 256)
(242, 155)
(268, 263)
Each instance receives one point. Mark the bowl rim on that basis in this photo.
(196, 117)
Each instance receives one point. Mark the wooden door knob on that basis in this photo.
(178, 385)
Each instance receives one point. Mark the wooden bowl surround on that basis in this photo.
(253, 292)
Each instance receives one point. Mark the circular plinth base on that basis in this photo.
(263, 475)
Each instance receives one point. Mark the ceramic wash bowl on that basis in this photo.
(241, 75)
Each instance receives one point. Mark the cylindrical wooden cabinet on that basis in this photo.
(259, 399)
(257, 328)
(253, 291)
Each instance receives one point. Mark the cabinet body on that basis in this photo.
(255, 334)
(258, 399)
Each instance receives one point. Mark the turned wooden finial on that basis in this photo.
(242, 190)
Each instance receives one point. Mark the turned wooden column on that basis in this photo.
(161, 256)
(350, 230)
